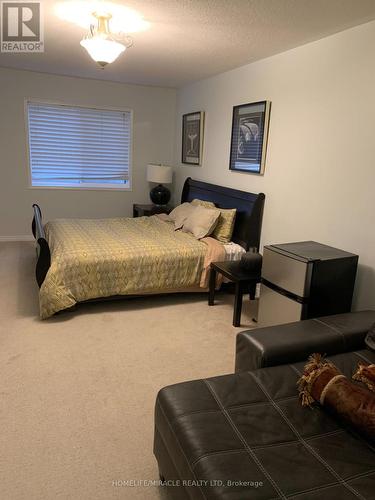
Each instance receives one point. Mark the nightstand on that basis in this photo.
(147, 210)
(243, 280)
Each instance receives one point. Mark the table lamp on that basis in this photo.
(160, 174)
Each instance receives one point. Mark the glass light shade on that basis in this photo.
(102, 50)
(160, 174)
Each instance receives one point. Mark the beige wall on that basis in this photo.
(154, 120)
(320, 171)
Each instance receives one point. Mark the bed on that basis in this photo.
(80, 260)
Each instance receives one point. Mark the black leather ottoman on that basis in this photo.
(246, 436)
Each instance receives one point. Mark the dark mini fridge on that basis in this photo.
(305, 280)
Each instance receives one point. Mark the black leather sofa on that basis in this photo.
(246, 436)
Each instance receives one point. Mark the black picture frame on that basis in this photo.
(192, 138)
(248, 149)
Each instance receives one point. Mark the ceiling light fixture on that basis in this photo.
(103, 46)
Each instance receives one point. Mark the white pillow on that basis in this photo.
(201, 221)
(180, 214)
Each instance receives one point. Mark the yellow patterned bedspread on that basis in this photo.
(92, 258)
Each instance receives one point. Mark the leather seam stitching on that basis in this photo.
(361, 474)
(331, 485)
(325, 434)
(363, 357)
(334, 329)
(213, 453)
(263, 447)
(197, 412)
(287, 443)
(234, 407)
(295, 369)
(180, 446)
(304, 443)
(242, 439)
(317, 488)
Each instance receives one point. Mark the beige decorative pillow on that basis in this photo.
(201, 222)
(203, 203)
(224, 229)
(180, 214)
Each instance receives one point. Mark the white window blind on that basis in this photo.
(78, 147)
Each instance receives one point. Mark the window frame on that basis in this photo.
(86, 186)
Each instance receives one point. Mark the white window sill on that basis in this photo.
(84, 188)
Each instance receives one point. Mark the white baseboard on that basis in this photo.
(19, 237)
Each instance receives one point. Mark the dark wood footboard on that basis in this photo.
(43, 251)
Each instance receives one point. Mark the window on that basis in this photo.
(78, 147)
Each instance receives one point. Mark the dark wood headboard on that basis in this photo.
(249, 207)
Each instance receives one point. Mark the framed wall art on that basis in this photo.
(192, 137)
(249, 137)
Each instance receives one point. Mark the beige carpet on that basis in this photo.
(77, 391)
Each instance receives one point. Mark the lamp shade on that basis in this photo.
(160, 174)
(101, 50)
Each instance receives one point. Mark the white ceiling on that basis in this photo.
(188, 40)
